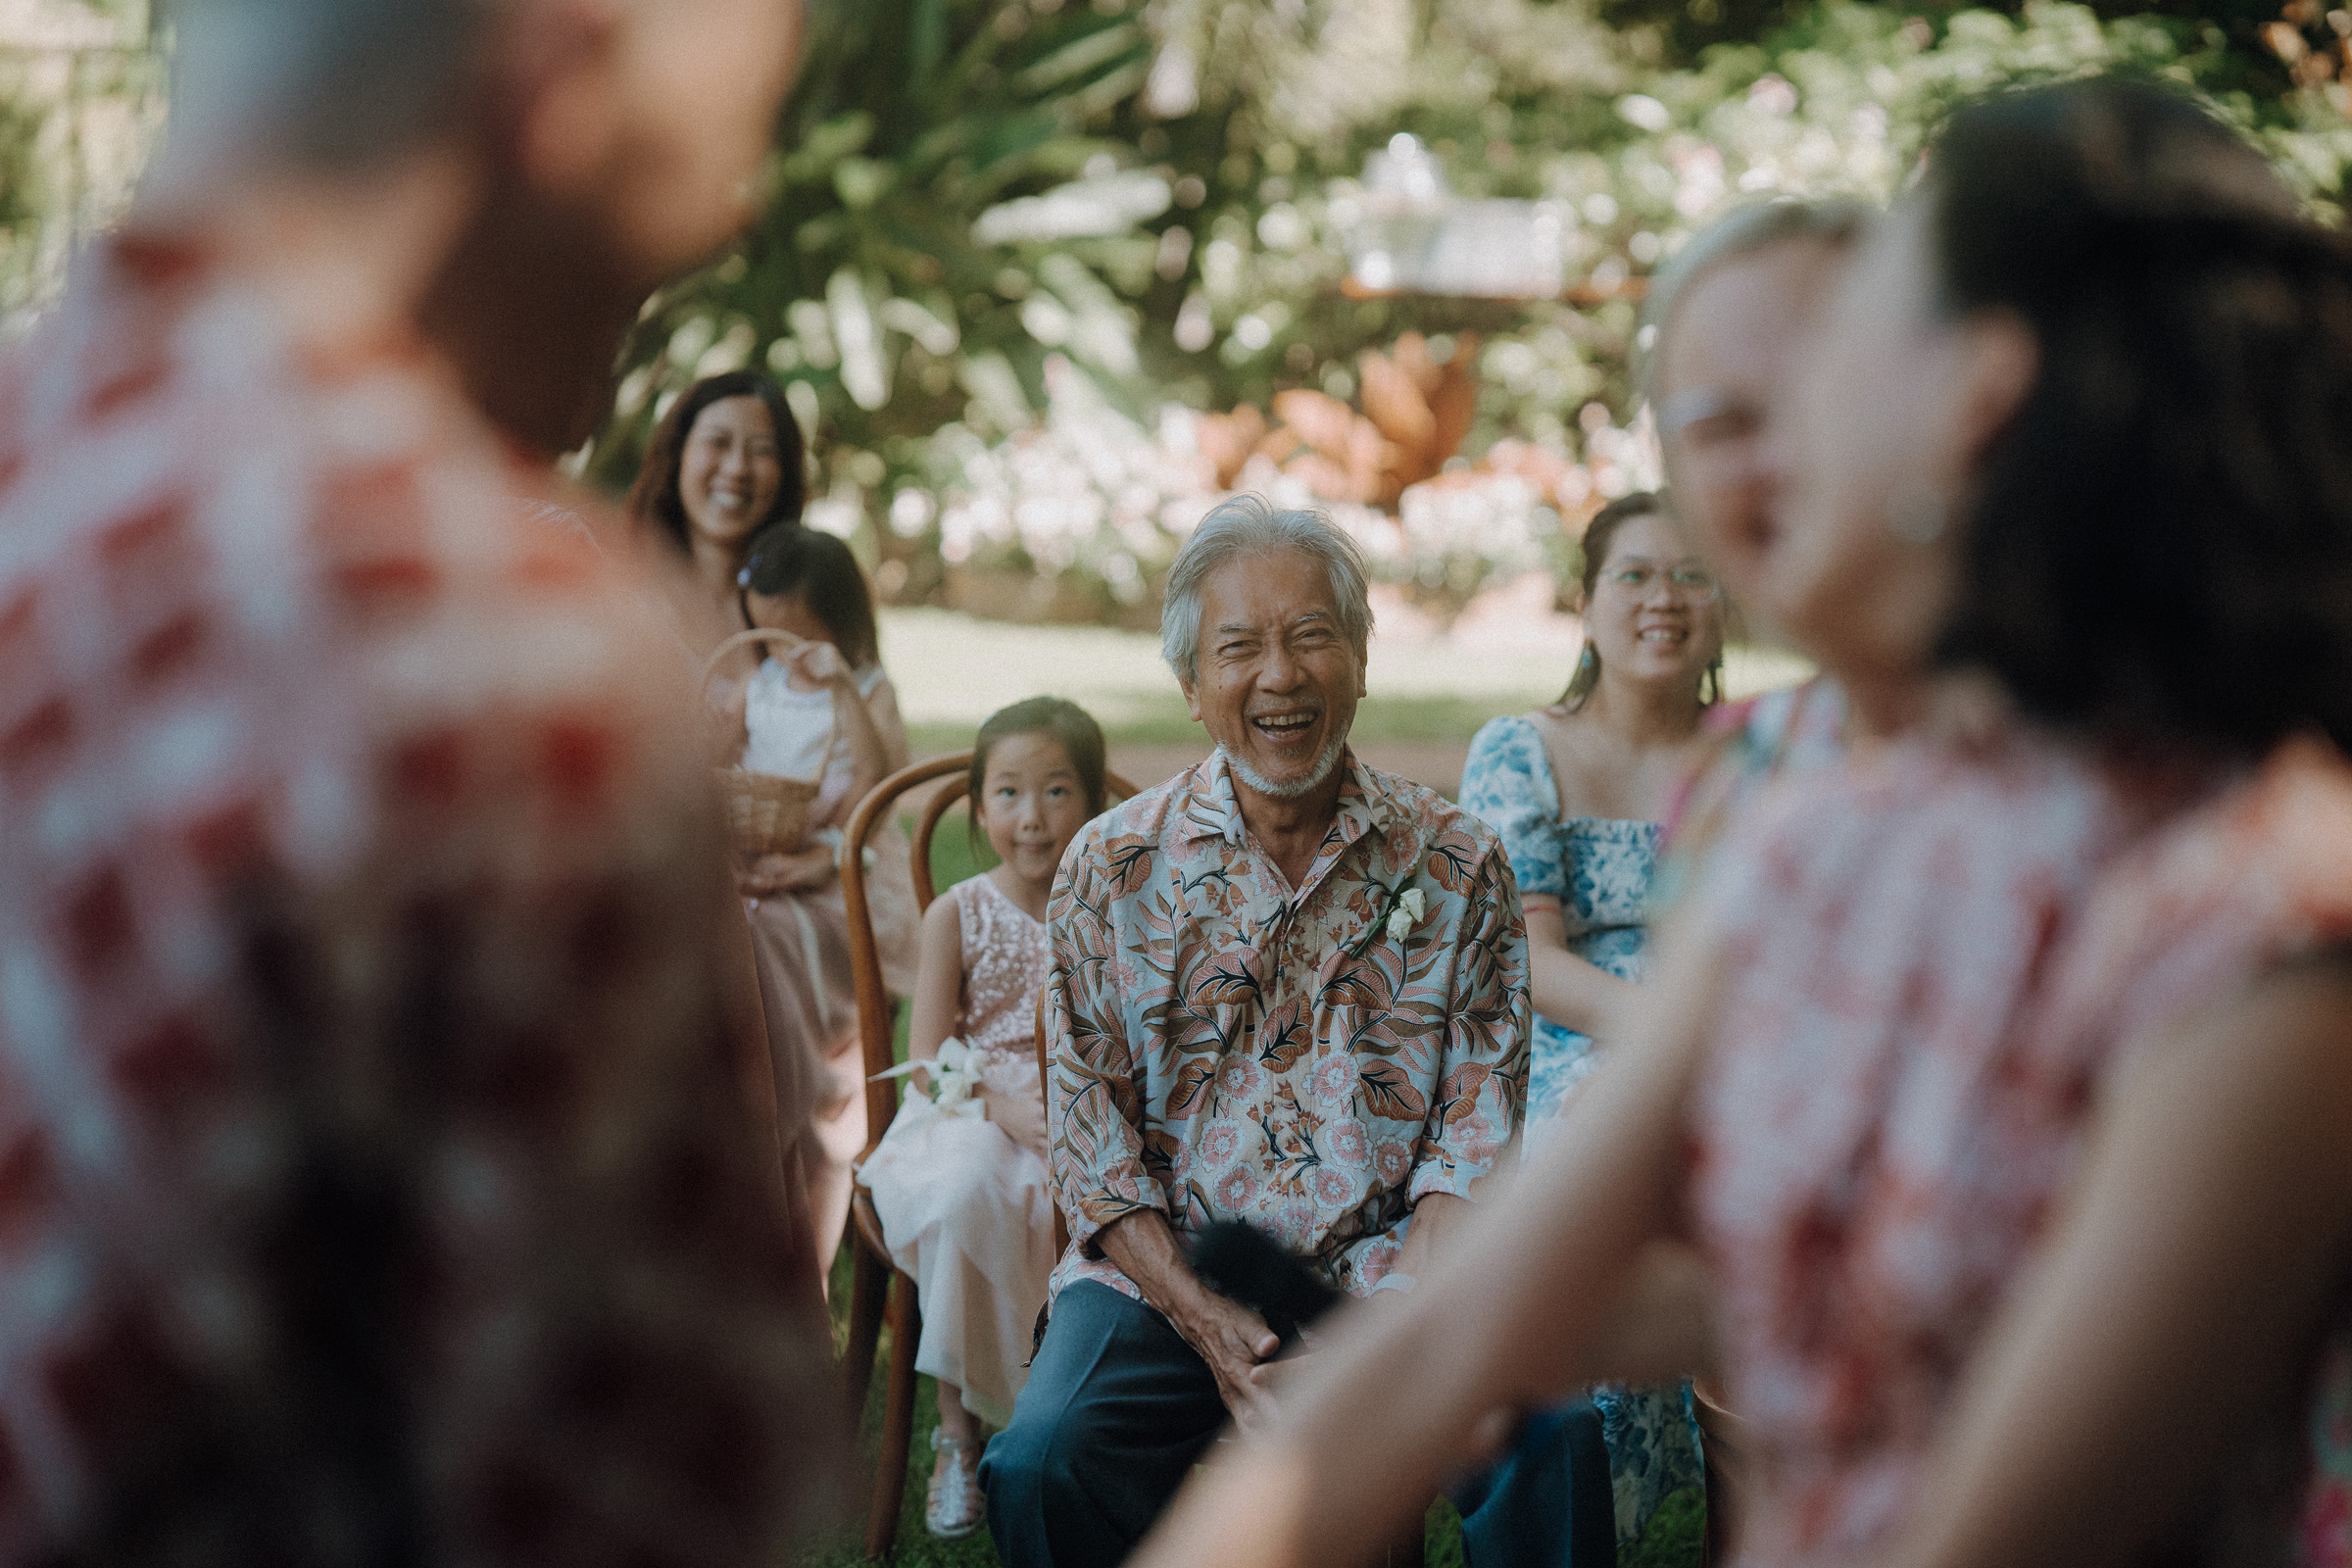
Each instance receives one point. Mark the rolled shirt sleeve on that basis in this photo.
(1095, 1107)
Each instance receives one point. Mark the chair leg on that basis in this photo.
(897, 1420)
(870, 1278)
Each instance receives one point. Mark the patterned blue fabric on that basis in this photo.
(1598, 870)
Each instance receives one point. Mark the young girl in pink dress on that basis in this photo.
(960, 1179)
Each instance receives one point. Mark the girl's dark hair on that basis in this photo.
(2159, 544)
(1066, 722)
(1591, 554)
(654, 499)
(788, 559)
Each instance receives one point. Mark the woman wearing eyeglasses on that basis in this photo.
(1577, 791)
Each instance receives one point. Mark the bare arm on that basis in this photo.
(937, 996)
(883, 709)
(2186, 1283)
(1397, 1401)
(1233, 1340)
(1437, 1216)
(858, 734)
(1568, 989)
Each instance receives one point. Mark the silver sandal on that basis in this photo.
(954, 1507)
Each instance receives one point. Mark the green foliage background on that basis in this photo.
(81, 85)
(905, 339)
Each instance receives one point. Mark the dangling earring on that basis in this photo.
(1586, 676)
(1710, 685)
(1917, 514)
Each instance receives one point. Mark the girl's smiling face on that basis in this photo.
(1032, 804)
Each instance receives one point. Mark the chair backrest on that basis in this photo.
(865, 958)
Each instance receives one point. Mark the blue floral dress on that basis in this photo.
(1597, 869)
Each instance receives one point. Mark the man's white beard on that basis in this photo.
(1309, 780)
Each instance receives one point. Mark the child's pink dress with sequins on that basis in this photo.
(964, 1202)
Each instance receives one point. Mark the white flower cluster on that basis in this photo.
(1087, 488)
(1091, 491)
(955, 1077)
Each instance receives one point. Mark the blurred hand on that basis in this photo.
(800, 871)
(763, 876)
(1023, 1118)
(820, 662)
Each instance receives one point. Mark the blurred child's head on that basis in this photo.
(1037, 778)
(807, 583)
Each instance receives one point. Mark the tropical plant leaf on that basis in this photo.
(1389, 1093)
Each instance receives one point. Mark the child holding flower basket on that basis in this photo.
(960, 1179)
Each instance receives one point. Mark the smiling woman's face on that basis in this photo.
(1278, 680)
(1656, 615)
(730, 471)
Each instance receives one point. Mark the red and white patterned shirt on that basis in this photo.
(372, 1127)
(1875, 1140)
(1933, 961)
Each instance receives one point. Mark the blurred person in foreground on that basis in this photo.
(1286, 989)
(1575, 791)
(2065, 497)
(391, 1173)
(1727, 325)
(1728, 321)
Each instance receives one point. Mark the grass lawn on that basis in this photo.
(952, 672)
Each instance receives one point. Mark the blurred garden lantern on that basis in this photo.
(1410, 234)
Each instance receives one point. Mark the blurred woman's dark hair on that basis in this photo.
(787, 559)
(1063, 720)
(1593, 553)
(2159, 542)
(654, 500)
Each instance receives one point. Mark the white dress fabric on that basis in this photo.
(964, 1205)
(801, 941)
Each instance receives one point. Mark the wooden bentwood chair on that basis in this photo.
(876, 1287)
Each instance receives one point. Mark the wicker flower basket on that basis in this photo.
(767, 813)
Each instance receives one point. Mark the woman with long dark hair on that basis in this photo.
(725, 463)
(2072, 526)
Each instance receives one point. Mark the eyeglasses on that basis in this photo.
(1692, 585)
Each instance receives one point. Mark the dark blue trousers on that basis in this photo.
(1548, 1502)
(1116, 1411)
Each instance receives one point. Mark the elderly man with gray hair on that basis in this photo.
(1286, 989)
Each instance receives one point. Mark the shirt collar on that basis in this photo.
(1211, 810)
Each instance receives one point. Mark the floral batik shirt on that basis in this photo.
(1314, 1060)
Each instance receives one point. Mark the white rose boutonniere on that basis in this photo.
(1395, 918)
(1410, 907)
